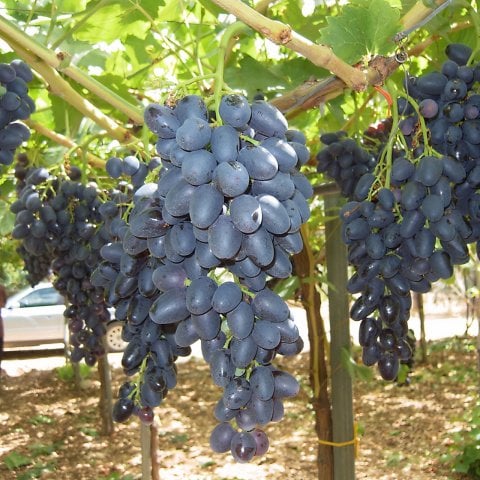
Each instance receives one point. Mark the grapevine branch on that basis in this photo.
(93, 160)
(314, 93)
(64, 90)
(278, 32)
(12, 34)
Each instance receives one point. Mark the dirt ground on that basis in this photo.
(51, 430)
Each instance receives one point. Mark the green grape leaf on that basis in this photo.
(7, 218)
(365, 28)
(253, 76)
(71, 5)
(114, 22)
(67, 118)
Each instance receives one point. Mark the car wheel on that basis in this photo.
(113, 337)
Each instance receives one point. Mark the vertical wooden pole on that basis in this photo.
(341, 382)
(154, 451)
(305, 269)
(146, 447)
(106, 397)
(477, 314)
(423, 336)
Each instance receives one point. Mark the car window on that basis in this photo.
(42, 297)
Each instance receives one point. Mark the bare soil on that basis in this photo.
(50, 429)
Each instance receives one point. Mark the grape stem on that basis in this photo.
(279, 33)
(230, 32)
(15, 38)
(423, 127)
(314, 93)
(384, 167)
(63, 89)
(93, 160)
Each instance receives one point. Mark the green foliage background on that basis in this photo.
(158, 50)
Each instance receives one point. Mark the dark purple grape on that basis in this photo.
(388, 365)
(237, 393)
(458, 52)
(370, 354)
(170, 307)
(413, 194)
(123, 409)
(161, 120)
(267, 120)
(471, 131)
(363, 186)
(428, 108)
(368, 332)
(261, 441)
(412, 222)
(285, 384)
(360, 310)
(455, 89)
(146, 415)
(402, 169)
(224, 239)
(259, 162)
(225, 143)
(357, 229)
(235, 110)
(243, 351)
(432, 83)
(221, 437)
(429, 170)
(231, 178)
(243, 447)
(389, 309)
(432, 207)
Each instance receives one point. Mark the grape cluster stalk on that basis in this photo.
(413, 203)
(191, 261)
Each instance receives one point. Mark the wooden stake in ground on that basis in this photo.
(341, 382)
(106, 398)
(423, 338)
(305, 268)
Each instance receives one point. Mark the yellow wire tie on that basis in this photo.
(355, 441)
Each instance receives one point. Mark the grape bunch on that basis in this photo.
(344, 160)
(410, 219)
(15, 104)
(56, 221)
(125, 274)
(34, 224)
(193, 260)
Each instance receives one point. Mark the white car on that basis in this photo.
(34, 316)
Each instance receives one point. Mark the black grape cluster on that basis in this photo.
(56, 221)
(125, 273)
(15, 104)
(407, 228)
(222, 218)
(33, 220)
(344, 160)
(36, 259)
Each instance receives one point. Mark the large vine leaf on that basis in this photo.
(365, 28)
(114, 22)
(7, 218)
(252, 76)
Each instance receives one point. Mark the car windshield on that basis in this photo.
(42, 297)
